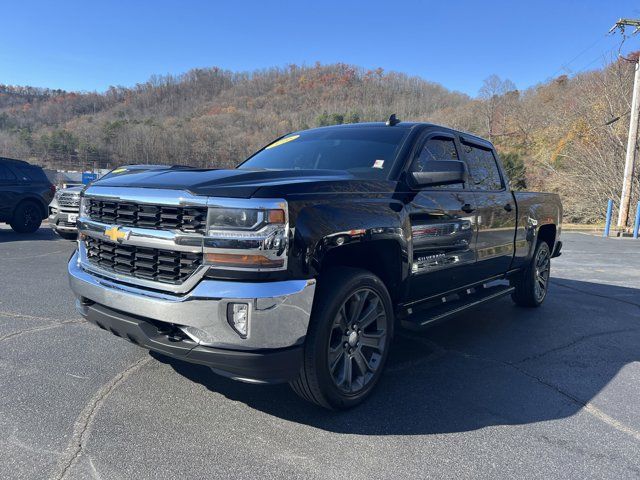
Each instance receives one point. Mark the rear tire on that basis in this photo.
(348, 341)
(27, 217)
(532, 284)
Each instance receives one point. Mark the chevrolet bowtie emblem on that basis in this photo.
(115, 234)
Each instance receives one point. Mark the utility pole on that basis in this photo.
(632, 141)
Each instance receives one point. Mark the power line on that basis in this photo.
(601, 56)
(565, 65)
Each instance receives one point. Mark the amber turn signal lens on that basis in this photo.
(238, 260)
(276, 216)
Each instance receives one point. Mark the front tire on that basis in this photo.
(532, 284)
(348, 341)
(26, 218)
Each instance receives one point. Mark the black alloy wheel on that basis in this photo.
(348, 341)
(542, 272)
(357, 341)
(532, 284)
(27, 217)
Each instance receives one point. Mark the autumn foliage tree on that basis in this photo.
(557, 136)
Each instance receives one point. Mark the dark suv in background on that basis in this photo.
(25, 193)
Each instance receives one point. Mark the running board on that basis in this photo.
(442, 309)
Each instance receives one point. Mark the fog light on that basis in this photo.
(238, 317)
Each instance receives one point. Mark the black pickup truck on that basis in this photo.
(299, 265)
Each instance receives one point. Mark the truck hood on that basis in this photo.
(237, 183)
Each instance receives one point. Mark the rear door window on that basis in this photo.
(483, 167)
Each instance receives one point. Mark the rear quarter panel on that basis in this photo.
(535, 210)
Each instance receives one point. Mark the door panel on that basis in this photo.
(496, 231)
(443, 242)
(443, 223)
(496, 221)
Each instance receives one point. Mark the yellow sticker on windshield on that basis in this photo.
(282, 141)
(119, 170)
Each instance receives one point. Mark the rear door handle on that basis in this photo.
(467, 208)
(508, 207)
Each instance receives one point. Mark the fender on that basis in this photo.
(372, 233)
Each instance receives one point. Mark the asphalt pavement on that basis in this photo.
(501, 392)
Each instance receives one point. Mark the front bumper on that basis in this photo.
(279, 312)
(262, 366)
(60, 221)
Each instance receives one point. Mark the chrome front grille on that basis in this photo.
(164, 266)
(191, 219)
(69, 200)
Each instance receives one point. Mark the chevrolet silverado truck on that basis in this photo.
(299, 265)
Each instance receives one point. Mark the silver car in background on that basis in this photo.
(63, 211)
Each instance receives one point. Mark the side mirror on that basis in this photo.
(439, 172)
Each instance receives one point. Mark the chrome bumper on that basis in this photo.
(60, 216)
(279, 312)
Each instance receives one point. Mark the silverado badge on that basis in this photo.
(115, 234)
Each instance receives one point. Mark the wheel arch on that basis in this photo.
(32, 199)
(548, 233)
(383, 258)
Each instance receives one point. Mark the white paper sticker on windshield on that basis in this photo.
(378, 164)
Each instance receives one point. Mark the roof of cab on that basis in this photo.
(407, 126)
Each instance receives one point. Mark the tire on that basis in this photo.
(532, 285)
(358, 355)
(27, 217)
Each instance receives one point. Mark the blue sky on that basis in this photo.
(85, 45)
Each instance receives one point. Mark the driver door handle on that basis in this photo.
(467, 208)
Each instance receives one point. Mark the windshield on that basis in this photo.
(364, 152)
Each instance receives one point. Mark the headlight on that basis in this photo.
(254, 239)
(84, 206)
(243, 218)
(235, 218)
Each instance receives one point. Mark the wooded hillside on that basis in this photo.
(560, 136)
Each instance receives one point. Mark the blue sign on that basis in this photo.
(88, 177)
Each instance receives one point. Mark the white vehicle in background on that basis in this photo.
(63, 211)
(65, 206)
